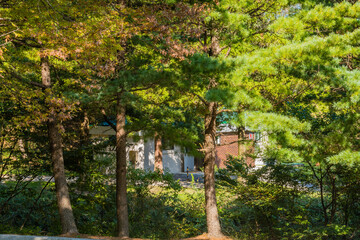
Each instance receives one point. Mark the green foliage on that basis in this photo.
(276, 202)
(271, 122)
(157, 208)
(154, 207)
(347, 158)
(24, 215)
(291, 66)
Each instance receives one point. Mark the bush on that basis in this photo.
(272, 203)
(27, 213)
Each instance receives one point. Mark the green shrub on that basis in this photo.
(272, 203)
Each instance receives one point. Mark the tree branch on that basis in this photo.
(228, 52)
(14, 74)
(225, 110)
(201, 98)
(141, 89)
(112, 125)
(24, 42)
(8, 33)
(37, 199)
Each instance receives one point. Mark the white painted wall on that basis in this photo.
(138, 147)
(149, 154)
(172, 159)
(188, 162)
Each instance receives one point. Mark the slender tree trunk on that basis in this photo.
(85, 128)
(62, 192)
(333, 198)
(121, 190)
(158, 166)
(346, 209)
(212, 216)
(324, 208)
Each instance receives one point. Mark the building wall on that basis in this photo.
(172, 161)
(189, 162)
(139, 148)
(227, 144)
(149, 153)
(175, 160)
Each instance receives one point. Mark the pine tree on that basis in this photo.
(44, 35)
(308, 73)
(224, 29)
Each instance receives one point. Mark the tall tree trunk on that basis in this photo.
(212, 216)
(121, 190)
(62, 192)
(158, 165)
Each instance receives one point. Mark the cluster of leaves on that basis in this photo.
(157, 209)
(283, 201)
(165, 62)
(31, 211)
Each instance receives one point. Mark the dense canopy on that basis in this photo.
(177, 70)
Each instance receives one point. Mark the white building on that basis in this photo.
(141, 154)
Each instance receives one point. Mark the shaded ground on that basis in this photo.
(86, 237)
(190, 179)
(61, 237)
(185, 179)
(201, 237)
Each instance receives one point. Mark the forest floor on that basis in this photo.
(200, 237)
(86, 236)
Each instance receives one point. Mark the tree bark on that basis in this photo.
(121, 189)
(158, 165)
(67, 219)
(324, 207)
(212, 216)
(333, 198)
(85, 128)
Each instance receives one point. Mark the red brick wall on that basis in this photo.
(229, 146)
